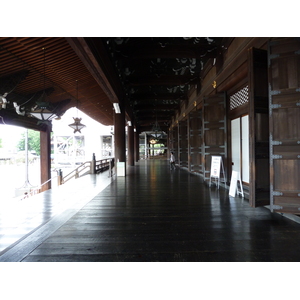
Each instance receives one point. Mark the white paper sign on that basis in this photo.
(215, 166)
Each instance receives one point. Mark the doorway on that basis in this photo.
(240, 146)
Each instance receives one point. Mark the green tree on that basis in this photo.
(33, 141)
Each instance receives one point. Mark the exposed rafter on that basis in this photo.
(150, 77)
(155, 71)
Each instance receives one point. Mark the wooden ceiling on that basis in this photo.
(150, 77)
(26, 69)
(157, 74)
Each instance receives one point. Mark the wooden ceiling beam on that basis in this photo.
(169, 51)
(159, 97)
(141, 107)
(175, 80)
(83, 51)
(11, 118)
(152, 115)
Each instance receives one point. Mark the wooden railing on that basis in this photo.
(35, 191)
(89, 167)
(80, 171)
(103, 165)
(94, 167)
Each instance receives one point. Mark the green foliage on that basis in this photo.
(33, 141)
(0, 143)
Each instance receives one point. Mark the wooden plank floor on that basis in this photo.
(24, 224)
(155, 214)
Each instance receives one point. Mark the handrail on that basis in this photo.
(93, 166)
(76, 172)
(37, 190)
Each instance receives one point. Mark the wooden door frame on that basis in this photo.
(234, 114)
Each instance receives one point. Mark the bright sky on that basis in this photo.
(10, 135)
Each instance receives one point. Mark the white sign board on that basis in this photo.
(235, 178)
(233, 183)
(215, 166)
(121, 169)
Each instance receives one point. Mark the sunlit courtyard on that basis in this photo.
(68, 149)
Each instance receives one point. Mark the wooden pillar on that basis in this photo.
(120, 138)
(188, 144)
(45, 146)
(137, 146)
(130, 146)
(149, 150)
(146, 145)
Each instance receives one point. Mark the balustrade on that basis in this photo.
(88, 167)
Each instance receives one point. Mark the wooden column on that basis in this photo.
(137, 146)
(120, 138)
(45, 145)
(195, 141)
(174, 144)
(130, 146)
(259, 146)
(183, 143)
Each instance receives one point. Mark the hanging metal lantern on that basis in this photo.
(77, 126)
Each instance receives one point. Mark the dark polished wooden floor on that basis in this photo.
(155, 214)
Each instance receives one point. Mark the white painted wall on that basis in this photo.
(92, 133)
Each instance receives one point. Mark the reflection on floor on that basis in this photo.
(152, 214)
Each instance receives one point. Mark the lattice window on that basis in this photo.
(239, 98)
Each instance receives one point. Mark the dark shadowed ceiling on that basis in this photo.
(150, 77)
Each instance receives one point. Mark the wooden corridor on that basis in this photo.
(153, 214)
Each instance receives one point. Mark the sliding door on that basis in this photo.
(214, 130)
